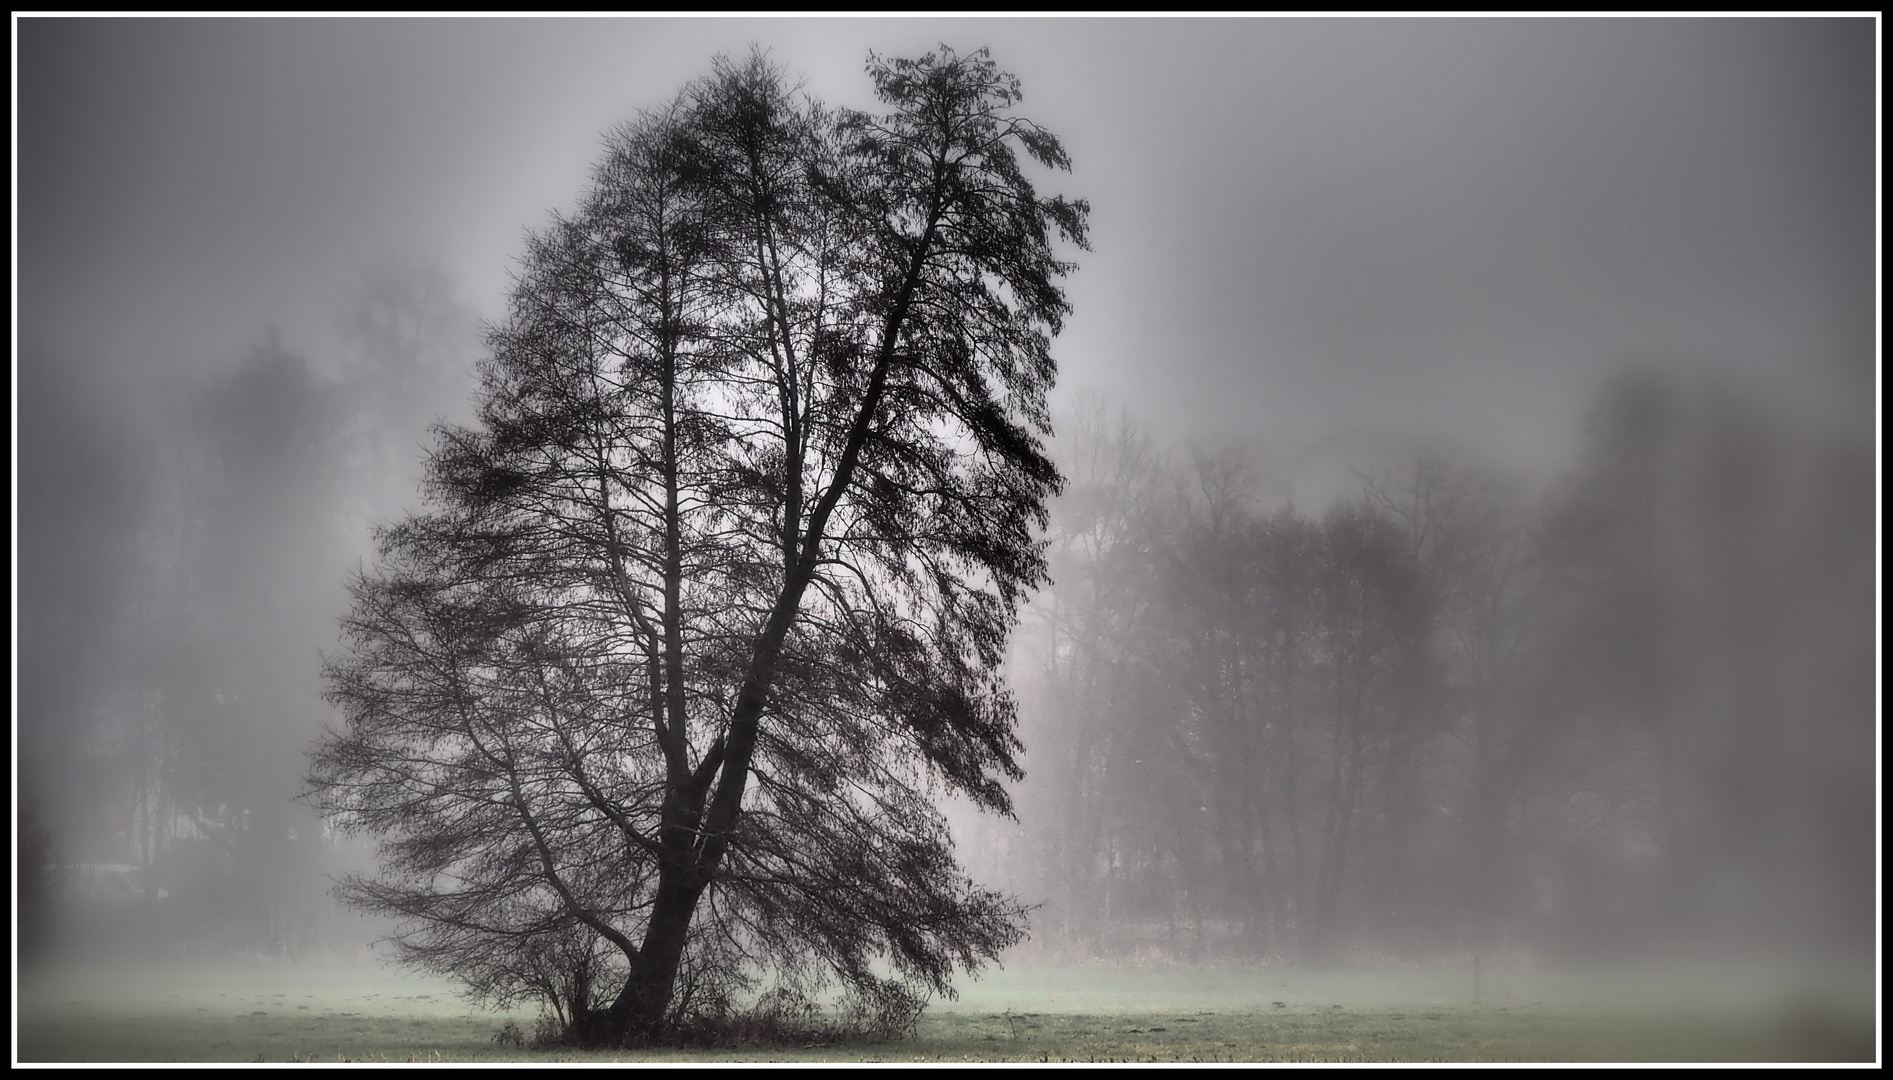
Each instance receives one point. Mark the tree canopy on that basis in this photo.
(709, 605)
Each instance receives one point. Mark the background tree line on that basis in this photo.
(1456, 711)
(179, 551)
(1578, 712)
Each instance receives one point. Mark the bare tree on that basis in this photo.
(717, 592)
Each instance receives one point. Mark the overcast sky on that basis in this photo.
(1320, 238)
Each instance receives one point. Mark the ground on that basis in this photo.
(282, 1012)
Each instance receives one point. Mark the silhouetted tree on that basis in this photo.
(714, 597)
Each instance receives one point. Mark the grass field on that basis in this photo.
(366, 1013)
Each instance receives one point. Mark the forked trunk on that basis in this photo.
(638, 1016)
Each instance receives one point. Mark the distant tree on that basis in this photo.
(713, 598)
(247, 523)
(83, 499)
(408, 352)
(37, 875)
(1449, 715)
(1084, 655)
(1708, 569)
(1468, 534)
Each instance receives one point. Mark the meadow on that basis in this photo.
(279, 1012)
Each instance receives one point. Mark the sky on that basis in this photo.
(1319, 239)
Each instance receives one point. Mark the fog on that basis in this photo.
(1471, 540)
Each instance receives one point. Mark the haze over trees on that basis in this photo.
(704, 616)
(1628, 707)
(173, 612)
(712, 602)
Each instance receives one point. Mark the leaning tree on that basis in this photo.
(656, 697)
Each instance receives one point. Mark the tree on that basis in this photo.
(82, 500)
(1709, 566)
(714, 596)
(1468, 533)
(247, 503)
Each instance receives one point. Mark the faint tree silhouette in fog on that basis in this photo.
(182, 553)
(1454, 714)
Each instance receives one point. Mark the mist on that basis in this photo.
(1470, 427)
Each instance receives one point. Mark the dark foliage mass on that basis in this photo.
(1629, 710)
(651, 706)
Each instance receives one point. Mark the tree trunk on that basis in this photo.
(638, 1016)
